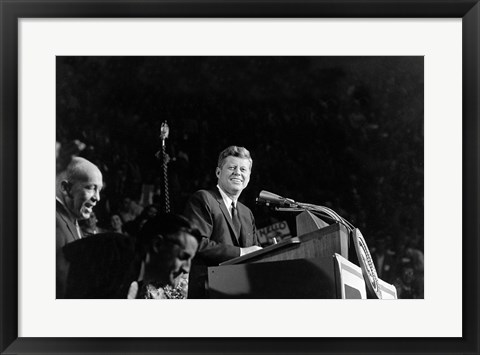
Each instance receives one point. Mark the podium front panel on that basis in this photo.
(289, 279)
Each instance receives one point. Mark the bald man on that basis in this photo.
(77, 192)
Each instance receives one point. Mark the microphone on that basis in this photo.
(269, 198)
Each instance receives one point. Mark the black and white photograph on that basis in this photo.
(241, 177)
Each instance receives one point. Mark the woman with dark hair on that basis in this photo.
(168, 244)
(109, 265)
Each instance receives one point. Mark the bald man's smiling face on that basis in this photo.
(83, 192)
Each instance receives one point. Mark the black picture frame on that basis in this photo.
(12, 11)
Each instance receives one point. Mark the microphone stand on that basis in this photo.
(283, 204)
(164, 131)
(320, 211)
(329, 213)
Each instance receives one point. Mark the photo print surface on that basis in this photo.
(327, 136)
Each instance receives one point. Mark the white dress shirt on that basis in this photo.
(227, 200)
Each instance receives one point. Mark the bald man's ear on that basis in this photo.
(66, 188)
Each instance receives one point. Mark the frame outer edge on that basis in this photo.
(471, 174)
(243, 8)
(9, 341)
(9, 177)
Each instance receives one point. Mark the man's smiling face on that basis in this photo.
(84, 195)
(234, 175)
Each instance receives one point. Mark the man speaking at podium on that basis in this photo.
(227, 225)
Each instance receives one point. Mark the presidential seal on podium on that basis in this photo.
(366, 263)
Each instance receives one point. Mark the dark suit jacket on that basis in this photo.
(207, 212)
(101, 267)
(66, 232)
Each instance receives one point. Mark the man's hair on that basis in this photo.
(234, 151)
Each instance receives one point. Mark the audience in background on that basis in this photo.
(90, 226)
(384, 260)
(129, 210)
(405, 283)
(116, 224)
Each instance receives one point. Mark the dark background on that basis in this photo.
(342, 132)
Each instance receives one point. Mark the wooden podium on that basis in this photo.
(305, 266)
(311, 242)
(327, 277)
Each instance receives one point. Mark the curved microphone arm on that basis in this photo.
(321, 213)
(288, 205)
(329, 212)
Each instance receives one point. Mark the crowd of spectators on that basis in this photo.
(344, 134)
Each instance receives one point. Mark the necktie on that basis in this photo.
(235, 220)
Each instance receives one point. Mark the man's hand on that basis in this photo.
(248, 250)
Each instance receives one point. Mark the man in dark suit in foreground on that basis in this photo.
(227, 225)
(77, 192)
